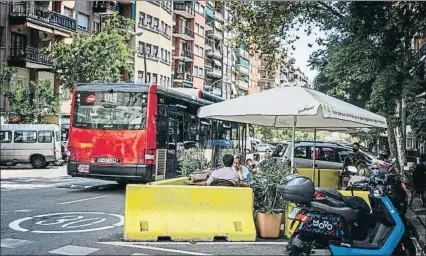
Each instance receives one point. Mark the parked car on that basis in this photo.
(264, 147)
(329, 155)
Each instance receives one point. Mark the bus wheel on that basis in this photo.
(38, 161)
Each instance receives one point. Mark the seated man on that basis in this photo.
(239, 168)
(225, 173)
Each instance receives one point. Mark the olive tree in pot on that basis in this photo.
(268, 203)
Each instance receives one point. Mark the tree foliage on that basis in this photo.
(270, 134)
(33, 103)
(95, 57)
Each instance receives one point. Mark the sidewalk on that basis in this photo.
(417, 216)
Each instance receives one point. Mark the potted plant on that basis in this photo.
(193, 160)
(268, 203)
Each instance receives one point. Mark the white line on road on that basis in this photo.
(152, 248)
(81, 200)
(207, 243)
(136, 253)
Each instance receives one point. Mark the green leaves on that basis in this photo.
(95, 58)
(266, 197)
(193, 160)
(33, 103)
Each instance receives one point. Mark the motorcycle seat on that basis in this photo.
(349, 214)
(354, 202)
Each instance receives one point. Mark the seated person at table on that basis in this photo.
(239, 168)
(225, 173)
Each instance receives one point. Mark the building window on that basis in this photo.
(96, 27)
(141, 19)
(140, 76)
(195, 70)
(148, 77)
(201, 52)
(68, 12)
(141, 46)
(148, 49)
(82, 21)
(200, 72)
(201, 30)
(155, 51)
(168, 82)
(148, 20)
(156, 23)
(154, 78)
(197, 28)
(197, 6)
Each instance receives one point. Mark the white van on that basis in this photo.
(37, 144)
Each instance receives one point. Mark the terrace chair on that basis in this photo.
(223, 183)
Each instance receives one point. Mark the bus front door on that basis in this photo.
(175, 144)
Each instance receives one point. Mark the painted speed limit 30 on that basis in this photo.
(67, 222)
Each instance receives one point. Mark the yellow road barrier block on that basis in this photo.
(329, 177)
(185, 213)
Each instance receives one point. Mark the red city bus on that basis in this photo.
(131, 132)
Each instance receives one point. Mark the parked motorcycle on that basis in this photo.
(330, 223)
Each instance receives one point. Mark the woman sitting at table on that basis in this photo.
(225, 173)
(239, 168)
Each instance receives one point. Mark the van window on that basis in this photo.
(25, 137)
(5, 136)
(44, 137)
(301, 152)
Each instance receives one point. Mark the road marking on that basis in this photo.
(206, 243)
(74, 250)
(137, 253)
(24, 210)
(81, 200)
(152, 248)
(68, 222)
(13, 243)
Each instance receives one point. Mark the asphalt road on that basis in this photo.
(46, 212)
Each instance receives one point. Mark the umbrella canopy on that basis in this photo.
(297, 107)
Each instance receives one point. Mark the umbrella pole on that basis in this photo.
(293, 139)
(314, 156)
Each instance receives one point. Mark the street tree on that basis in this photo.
(368, 58)
(100, 57)
(33, 103)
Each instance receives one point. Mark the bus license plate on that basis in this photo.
(293, 213)
(83, 168)
(106, 160)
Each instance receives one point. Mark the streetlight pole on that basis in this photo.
(143, 52)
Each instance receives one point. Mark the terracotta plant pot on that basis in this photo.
(268, 225)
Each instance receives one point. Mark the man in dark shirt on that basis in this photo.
(358, 160)
(419, 178)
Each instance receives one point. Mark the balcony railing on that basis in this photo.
(218, 16)
(214, 54)
(105, 7)
(20, 55)
(183, 31)
(209, 43)
(215, 33)
(242, 68)
(183, 76)
(214, 72)
(209, 25)
(184, 9)
(20, 12)
(167, 5)
(187, 54)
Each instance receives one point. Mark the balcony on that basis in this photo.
(214, 54)
(184, 9)
(29, 57)
(217, 34)
(214, 72)
(185, 79)
(242, 68)
(209, 25)
(242, 84)
(166, 5)
(218, 16)
(242, 53)
(208, 44)
(25, 13)
(185, 55)
(184, 33)
(422, 52)
(149, 26)
(105, 7)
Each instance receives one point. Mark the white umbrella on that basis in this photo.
(295, 107)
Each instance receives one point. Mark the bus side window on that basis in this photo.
(44, 137)
(5, 137)
(25, 137)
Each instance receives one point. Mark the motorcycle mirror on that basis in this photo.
(352, 169)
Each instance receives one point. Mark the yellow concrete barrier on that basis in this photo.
(188, 213)
(329, 178)
(290, 206)
(174, 181)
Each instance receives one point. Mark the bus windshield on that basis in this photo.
(110, 110)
